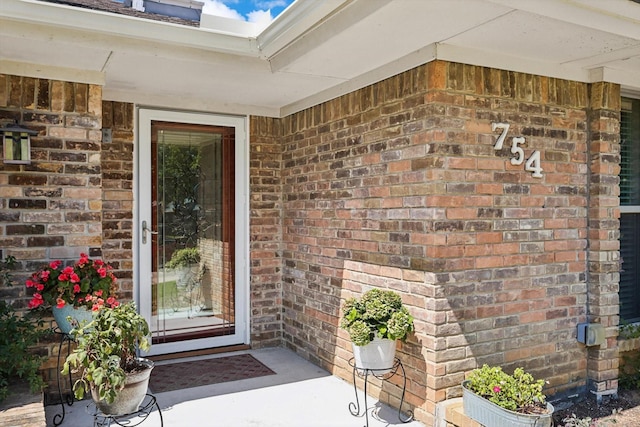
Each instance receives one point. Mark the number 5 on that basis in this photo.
(519, 152)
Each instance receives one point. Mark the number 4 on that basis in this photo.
(533, 165)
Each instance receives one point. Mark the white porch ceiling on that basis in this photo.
(317, 49)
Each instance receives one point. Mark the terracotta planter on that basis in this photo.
(131, 396)
(378, 355)
(81, 314)
(489, 414)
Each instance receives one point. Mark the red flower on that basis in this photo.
(36, 301)
(86, 283)
(497, 389)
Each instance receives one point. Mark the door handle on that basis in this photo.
(146, 230)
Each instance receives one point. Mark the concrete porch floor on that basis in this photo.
(300, 394)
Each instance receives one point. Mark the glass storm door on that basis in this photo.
(192, 280)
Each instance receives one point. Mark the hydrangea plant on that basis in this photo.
(519, 392)
(378, 312)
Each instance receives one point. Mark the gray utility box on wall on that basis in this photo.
(590, 333)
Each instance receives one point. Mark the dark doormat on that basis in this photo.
(181, 375)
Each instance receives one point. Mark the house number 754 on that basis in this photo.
(532, 164)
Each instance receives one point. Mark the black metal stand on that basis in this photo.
(64, 338)
(129, 420)
(383, 374)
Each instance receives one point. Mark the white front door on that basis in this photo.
(192, 229)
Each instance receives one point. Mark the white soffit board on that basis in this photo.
(541, 37)
(345, 47)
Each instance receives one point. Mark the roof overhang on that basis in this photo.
(315, 50)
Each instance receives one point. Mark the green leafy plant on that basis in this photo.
(629, 330)
(106, 351)
(574, 421)
(519, 392)
(88, 283)
(17, 358)
(184, 257)
(378, 312)
(630, 372)
(6, 265)
(19, 336)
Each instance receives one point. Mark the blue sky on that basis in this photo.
(258, 11)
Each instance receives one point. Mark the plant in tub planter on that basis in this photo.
(493, 397)
(106, 358)
(186, 262)
(374, 323)
(85, 286)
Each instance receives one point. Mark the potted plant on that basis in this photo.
(184, 257)
(106, 359)
(374, 323)
(186, 261)
(493, 397)
(87, 285)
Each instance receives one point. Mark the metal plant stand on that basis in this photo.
(384, 374)
(68, 399)
(129, 420)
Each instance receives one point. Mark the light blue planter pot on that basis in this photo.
(489, 414)
(81, 314)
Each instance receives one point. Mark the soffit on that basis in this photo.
(316, 50)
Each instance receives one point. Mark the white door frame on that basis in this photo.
(142, 212)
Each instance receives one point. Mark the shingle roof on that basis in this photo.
(113, 6)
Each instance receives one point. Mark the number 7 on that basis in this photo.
(503, 135)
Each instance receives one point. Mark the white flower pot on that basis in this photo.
(379, 355)
(131, 396)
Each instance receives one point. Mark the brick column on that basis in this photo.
(604, 234)
(117, 193)
(266, 232)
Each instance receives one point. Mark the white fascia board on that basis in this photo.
(295, 20)
(187, 103)
(32, 11)
(412, 60)
(40, 71)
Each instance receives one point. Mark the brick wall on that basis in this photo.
(399, 179)
(404, 174)
(51, 208)
(265, 234)
(117, 193)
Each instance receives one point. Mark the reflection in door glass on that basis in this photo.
(193, 253)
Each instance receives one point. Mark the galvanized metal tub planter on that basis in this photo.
(489, 414)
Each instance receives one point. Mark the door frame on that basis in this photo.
(142, 212)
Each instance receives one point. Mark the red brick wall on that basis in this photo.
(403, 174)
(401, 180)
